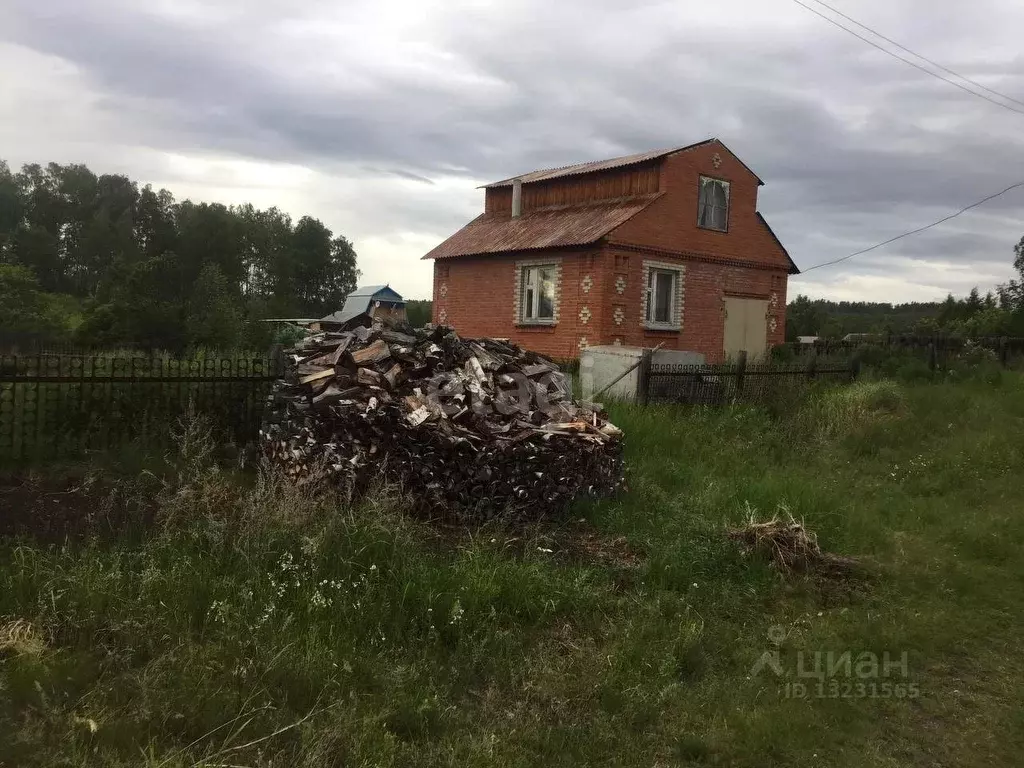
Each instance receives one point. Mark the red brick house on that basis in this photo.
(660, 247)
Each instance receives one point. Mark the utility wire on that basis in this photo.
(914, 64)
(916, 231)
(918, 55)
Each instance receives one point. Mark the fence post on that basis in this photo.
(1004, 355)
(933, 361)
(741, 369)
(854, 366)
(812, 365)
(643, 378)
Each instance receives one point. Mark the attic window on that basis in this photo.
(713, 205)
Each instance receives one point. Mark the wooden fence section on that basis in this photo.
(737, 381)
(55, 406)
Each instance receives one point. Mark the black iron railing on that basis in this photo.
(737, 381)
(55, 406)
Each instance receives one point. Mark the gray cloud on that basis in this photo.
(854, 146)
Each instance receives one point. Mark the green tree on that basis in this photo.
(11, 212)
(344, 273)
(803, 318)
(23, 306)
(132, 307)
(419, 312)
(38, 250)
(208, 234)
(140, 268)
(215, 317)
(155, 231)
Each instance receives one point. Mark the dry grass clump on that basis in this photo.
(790, 548)
(20, 637)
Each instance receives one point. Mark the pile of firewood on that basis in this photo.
(471, 429)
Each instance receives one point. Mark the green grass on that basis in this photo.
(254, 626)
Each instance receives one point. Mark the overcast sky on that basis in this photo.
(381, 118)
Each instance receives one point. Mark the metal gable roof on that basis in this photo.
(358, 302)
(558, 227)
(605, 165)
(373, 290)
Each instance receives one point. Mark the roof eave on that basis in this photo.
(793, 268)
(526, 249)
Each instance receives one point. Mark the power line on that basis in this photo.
(914, 64)
(916, 231)
(918, 55)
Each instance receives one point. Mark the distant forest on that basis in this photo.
(419, 311)
(98, 260)
(996, 313)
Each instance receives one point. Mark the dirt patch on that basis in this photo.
(579, 541)
(53, 508)
(574, 542)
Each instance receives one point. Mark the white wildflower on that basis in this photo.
(457, 612)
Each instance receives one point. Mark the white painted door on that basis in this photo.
(746, 327)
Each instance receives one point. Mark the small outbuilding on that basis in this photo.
(373, 300)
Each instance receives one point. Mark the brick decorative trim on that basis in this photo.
(517, 287)
(677, 305)
(699, 256)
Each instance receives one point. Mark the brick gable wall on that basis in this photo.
(670, 223)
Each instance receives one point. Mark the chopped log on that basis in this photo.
(368, 376)
(418, 416)
(323, 374)
(473, 368)
(396, 337)
(539, 369)
(393, 376)
(372, 354)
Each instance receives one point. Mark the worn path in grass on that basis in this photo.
(262, 629)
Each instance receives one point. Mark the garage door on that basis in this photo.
(745, 326)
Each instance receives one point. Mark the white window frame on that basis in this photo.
(652, 276)
(705, 183)
(531, 282)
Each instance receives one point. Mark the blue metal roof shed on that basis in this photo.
(362, 300)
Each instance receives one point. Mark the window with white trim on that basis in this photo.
(713, 206)
(662, 295)
(537, 300)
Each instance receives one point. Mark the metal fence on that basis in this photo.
(737, 381)
(938, 350)
(60, 406)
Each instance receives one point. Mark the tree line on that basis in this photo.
(996, 313)
(98, 260)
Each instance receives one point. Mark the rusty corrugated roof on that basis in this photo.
(604, 165)
(543, 228)
(598, 165)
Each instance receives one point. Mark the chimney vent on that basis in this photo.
(517, 198)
